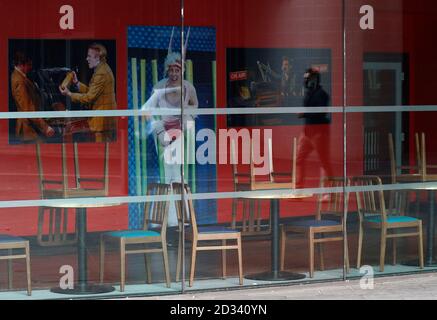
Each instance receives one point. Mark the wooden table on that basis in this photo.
(82, 286)
(275, 274)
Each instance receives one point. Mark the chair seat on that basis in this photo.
(392, 219)
(314, 223)
(132, 234)
(215, 229)
(8, 238)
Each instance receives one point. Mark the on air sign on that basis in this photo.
(238, 75)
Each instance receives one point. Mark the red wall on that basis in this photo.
(239, 23)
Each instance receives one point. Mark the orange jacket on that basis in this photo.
(98, 95)
(26, 98)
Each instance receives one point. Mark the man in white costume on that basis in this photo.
(167, 129)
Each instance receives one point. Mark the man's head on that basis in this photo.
(96, 53)
(173, 66)
(311, 78)
(22, 62)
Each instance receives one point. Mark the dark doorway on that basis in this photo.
(385, 83)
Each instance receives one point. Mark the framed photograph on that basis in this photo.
(272, 77)
(39, 68)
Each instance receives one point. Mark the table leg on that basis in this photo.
(82, 259)
(81, 286)
(275, 274)
(429, 261)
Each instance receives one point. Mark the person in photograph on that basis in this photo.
(315, 134)
(98, 95)
(171, 93)
(288, 80)
(27, 98)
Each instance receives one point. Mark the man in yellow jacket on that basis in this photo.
(99, 94)
(27, 98)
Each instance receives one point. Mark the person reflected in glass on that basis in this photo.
(27, 98)
(98, 95)
(315, 133)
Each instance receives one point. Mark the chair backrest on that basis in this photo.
(270, 163)
(104, 180)
(370, 202)
(62, 183)
(156, 212)
(336, 202)
(185, 213)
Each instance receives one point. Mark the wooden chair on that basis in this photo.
(251, 222)
(424, 166)
(200, 236)
(59, 188)
(397, 175)
(373, 215)
(154, 232)
(417, 173)
(11, 243)
(320, 230)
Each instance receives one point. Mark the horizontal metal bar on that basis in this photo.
(21, 256)
(212, 111)
(209, 195)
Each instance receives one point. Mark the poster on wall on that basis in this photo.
(272, 77)
(154, 74)
(62, 75)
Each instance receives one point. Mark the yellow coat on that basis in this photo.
(98, 95)
(26, 98)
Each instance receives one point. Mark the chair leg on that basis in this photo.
(420, 244)
(360, 245)
(28, 271)
(65, 225)
(58, 218)
(122, 264)
(102, 259)
(234, 213)
(394, 251)
(51, 237)
(245, 216)
(178, 263)
(321, 256)
(224, 260)
(240, 259)
(148, 269)
(382, 248)
(193, 262)
(252, 215)
(166, 266)
(10, 271)
(40, 224)
(258, 215)
(311, 251)
(283, 239)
